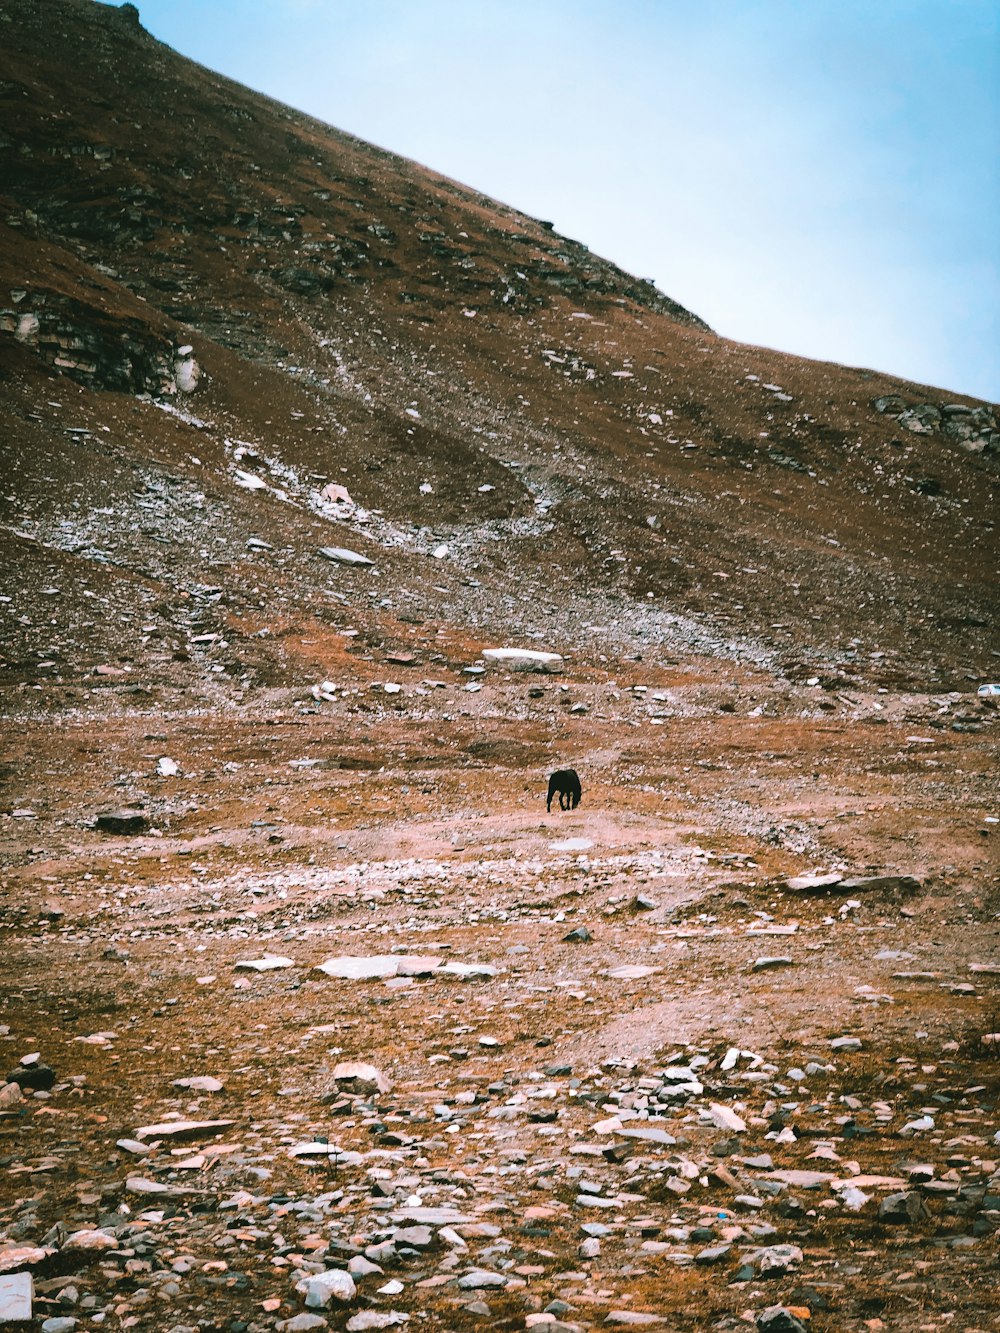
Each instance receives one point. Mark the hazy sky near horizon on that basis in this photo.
(819, 176)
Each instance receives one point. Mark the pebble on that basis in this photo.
(480, 1278)
(765, 964)
(774, 1260)
(200, 1083)
(845, 1044)
(374, 1319)
(321, 1288)
(725, 1118)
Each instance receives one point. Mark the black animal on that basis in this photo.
(566, 783)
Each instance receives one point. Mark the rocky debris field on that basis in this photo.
(366, 1041)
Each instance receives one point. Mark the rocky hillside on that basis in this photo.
(232, 338)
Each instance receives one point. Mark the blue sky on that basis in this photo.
(819, 176)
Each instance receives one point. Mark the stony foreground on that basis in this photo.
(618, 1067)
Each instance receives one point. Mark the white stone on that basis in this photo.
(134, 1147)
(469, 971)
(919, 1126)
(200, 1083)
(480, 1278)
(360, 969)
(248, 481)
(724, 1118)
(523, 659)
(416, 965)
(852, 1198)
(182, 1129)
(340, 555)
(140, 1185)
(647, 1134)
(319, 1289)
(16, 1293)
(818, 880)
(775, 1259)
(63, 1323)
(367, 1319)
(269, 963)
(91, 1240)
(432, 1216)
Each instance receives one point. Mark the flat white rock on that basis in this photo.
(360, 969)
(416, 965)
(182, 1129)
(248, 481)
(269, 963)
(432, 1216)
(631, 972)
(800, 883)
(342, 556)
(522, 659)
(647, 1133)
(16, 1293)
(140, 1185)
(468, 970)
(725, 1118)
(480, 1278)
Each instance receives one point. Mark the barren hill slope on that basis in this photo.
(589, 452)
(306, 998)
